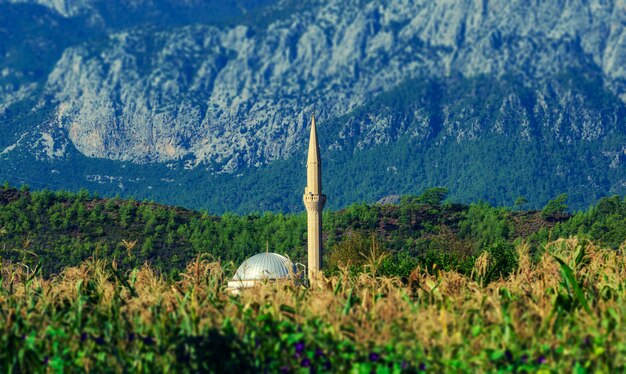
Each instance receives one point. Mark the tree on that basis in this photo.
(555, 207)
(147, 248)
(348, 251)
(433, 196)
(127, 213)
(521, 200)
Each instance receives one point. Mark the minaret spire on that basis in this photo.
(313, 164)
(314, 202)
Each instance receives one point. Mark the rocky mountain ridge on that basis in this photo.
(226, 98)
(237, 97)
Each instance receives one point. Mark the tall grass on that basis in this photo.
(562, 310)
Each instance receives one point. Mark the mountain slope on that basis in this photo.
(530, 96)
(236, 96)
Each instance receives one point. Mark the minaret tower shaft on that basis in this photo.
(314, 202)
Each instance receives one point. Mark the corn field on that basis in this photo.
(563, 310)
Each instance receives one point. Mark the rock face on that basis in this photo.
(236, 96)
(239, 95)
(66, 8)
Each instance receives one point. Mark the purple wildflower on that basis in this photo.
(327, 365)
(83, 337)
(45, 360)
(374, 356)
(541, 360)
(524, 358)
(148, 340)
(305, 363)
(508, 355)
(299, 347)
(422, 367)
(131, 336)
(99, 340)
(404, 365)
(284, 369)
(319, 353)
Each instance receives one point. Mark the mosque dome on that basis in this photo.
(265, 266)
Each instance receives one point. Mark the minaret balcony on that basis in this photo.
(314, 203)
(314, 198)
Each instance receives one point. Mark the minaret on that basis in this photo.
(314, 202)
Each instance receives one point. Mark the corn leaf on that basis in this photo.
(569, 276)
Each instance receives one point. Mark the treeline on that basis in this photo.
(59, 229)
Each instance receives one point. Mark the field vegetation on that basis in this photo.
(559, 311)
(422, 285)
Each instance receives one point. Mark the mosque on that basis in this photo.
(272, 266)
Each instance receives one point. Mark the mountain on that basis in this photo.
(206, 104)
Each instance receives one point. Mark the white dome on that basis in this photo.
(265, 266)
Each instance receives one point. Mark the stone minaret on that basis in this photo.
(314, 202)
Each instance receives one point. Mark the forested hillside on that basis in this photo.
(59, 229)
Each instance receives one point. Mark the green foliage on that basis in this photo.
(486, 225)
(434, 196)
(503, 258)
(555, 207)
(604, 223)
(431, 196)
(349, 251)
(399, 264)
(62, 229)
(521, 200)
(572, 286)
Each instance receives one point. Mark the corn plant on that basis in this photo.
(560, 311)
